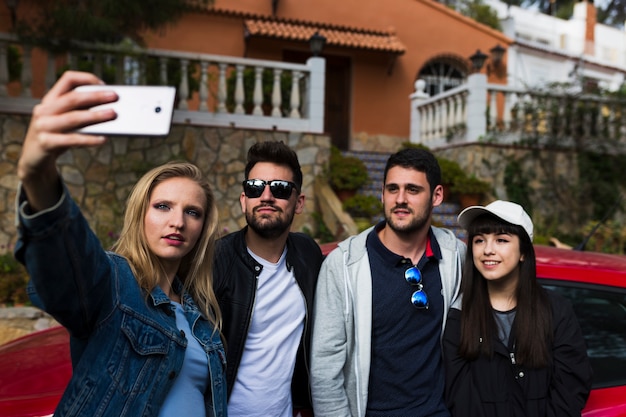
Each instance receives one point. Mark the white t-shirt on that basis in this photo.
(263, 384)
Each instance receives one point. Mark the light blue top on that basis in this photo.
(186, 398)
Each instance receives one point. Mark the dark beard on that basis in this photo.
(417, 224)
(268, 229)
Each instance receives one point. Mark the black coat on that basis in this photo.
(235, 282)
(494, 387)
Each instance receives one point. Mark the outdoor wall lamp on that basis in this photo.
(478, 60)
(317, 42)
(495, 65)
(497, 53)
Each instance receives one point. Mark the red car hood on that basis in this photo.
(35, 370)
(606, 402)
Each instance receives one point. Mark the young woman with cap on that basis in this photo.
(511, 348)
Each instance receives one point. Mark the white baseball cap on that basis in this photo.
(505, 210)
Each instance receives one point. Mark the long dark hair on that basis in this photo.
(532, 328)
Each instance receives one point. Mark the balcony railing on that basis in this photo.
(477, 111)
(213, 90)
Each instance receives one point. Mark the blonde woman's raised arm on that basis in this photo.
(52, 131)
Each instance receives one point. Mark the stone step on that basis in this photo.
(375, 163)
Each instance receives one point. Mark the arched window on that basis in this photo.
(443, 73)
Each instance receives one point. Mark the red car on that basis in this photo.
(35, 369)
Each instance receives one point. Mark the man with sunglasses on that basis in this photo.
(381, 304)
(264, 281)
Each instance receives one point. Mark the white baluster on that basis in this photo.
(439, 128)
(71, 61)
(140, 71)
(443, 122)
(423, 111)
(221, 89)
(50, 71)
(436, 113)
(493, 112)
(27, 71)
(295, 94)
(430, 124)
(276, 94)
(463, 113)
(257, 97)
(203, 93)
(239, 93)
(508, 106)
(163, 70)
(459, 120)
(183, 88)
(452, 111)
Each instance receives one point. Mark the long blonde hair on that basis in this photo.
(196, 268)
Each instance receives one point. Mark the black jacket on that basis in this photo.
(235, 283)
(494, 387)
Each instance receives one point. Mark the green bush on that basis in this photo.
(366, 206)
(13, 280)
(470, 184)
(345, 172)
(322, 233)
(451, 171)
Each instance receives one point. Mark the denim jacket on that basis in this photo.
(126, 348)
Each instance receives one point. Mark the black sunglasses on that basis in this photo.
(414, 277)
(279, 188)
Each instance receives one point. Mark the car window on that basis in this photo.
(601, 312)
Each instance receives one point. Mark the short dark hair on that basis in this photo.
(419, 160)
(278, 153)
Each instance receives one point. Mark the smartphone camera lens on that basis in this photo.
(157, 109)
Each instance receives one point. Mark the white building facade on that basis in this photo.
(552, 50)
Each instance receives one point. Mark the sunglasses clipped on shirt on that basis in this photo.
(414, 277)
(280, 189)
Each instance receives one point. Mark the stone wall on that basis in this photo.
(100, 178)
(552, 176)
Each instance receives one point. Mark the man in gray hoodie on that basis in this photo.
(381, 304)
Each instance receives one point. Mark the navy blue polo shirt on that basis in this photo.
(406, 372)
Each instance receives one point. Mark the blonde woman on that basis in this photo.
(143, 319)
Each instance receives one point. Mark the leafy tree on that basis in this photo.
(56, 24)
(481, 13)
(477, 10)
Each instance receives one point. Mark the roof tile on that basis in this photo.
(383, 41)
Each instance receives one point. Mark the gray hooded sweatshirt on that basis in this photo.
(342, 322)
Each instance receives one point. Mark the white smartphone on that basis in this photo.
(141, 110)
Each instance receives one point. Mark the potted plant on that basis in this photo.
(345, 174)
(470, 190)
(363, 209)
(451, 172)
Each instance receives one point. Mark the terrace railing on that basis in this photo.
(212, 90)
(478, 111)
